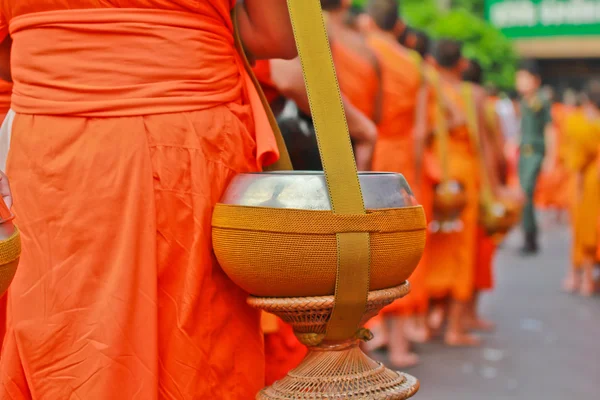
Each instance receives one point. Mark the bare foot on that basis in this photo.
(417, 333)
(404, 360)
(456, 339)
(436, 318)
(481, 325)
(571, 284)
(380, 339)
(588, 288)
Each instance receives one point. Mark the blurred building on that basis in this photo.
(563, 34)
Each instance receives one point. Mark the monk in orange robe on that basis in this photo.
(496, 175)
(451, 263)
(583, 159)
(400, 147)
(131, 119)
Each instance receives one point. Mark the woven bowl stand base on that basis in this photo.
(331, 370)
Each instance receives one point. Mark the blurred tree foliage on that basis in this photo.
(464, 22)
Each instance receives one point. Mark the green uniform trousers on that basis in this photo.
(530, 165)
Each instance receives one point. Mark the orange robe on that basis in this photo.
(583, 159)
(452, 255)
(129, 125)
(552, 188)
(402, 79)
(5, 94)
(357, 77)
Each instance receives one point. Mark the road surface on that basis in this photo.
(546, 347)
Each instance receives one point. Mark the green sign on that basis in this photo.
(544, 18)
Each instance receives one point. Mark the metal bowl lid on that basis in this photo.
(307, 190)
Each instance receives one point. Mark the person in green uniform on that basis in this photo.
(535, 144)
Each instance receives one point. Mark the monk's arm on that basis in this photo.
(377, 109)
(364, 133)
(287, 77)
(5, 59)
(265, 29)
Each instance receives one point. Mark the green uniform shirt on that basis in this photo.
(535, 116)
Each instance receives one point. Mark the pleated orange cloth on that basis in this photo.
(130, 123)
(484, 261)
(452, 257)
(583, 159)
(5, 94)
(357, 77)
(394, 150)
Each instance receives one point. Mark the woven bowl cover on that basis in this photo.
(10, 251)
(273, 252)
(448, 201)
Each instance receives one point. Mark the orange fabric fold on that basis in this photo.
(401, 81)
(107, 81)
(484, 262)
(130, 124)
(357, 77)
(5, 96)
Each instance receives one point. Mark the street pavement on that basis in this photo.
(546, 347)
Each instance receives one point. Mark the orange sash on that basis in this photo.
(126, 62)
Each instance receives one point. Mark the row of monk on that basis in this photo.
(419, 108)
(130, 119)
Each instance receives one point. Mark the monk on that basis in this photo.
(485, 245)
(451, 263)
(400, 147)
(115, 168)
(583, 158)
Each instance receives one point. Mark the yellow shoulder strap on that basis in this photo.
(352, 282)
